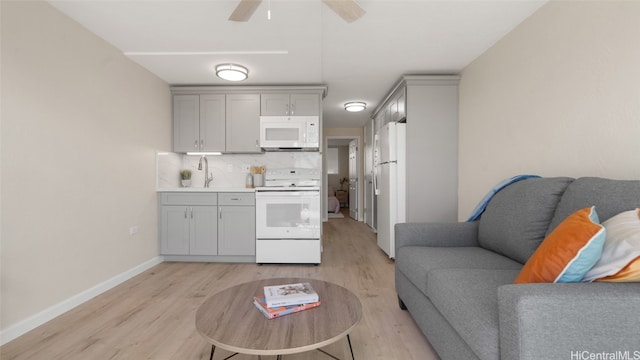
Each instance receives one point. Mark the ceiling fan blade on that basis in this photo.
(349, 10)
(244, 10)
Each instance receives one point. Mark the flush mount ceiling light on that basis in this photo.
(232, 72)
(355, 106)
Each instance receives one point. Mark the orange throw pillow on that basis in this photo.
(568, 252)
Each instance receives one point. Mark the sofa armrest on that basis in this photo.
(569, 321)
(436, 234)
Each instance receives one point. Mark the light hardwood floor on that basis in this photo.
(152, 316)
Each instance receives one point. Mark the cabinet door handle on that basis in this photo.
(185, 212)
(192, 213)
(195, 144)
(286, 109)
(220, 211)
(293, 109)
(201, 144)
(257, 143)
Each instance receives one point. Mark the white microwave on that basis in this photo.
(290, 133)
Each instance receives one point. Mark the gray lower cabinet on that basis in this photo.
(236, 224)
(189, 230)
(207, 226)
(188, 224)
(174, 230)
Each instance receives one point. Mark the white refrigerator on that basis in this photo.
(390, 183)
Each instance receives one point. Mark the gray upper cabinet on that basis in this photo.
(305, 104)
(274, 104)
(227, 123)
(397, 106)
(226, 119)
(198, 123)
(289, 104)
(243, 123)
(212, 123)
(186, 123)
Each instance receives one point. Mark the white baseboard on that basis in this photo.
(60, 308)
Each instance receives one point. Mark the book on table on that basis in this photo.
(278, 311)
(290, 294)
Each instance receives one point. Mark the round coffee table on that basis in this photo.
(229, 320)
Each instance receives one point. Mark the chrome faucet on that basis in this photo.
(207, 177)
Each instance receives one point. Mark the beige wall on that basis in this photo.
(80, 127)
(343, 169)
(558, 96)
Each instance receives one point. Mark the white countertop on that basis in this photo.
(201, 189)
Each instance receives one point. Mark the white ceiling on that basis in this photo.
(304, 42)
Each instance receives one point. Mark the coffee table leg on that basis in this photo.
(350, 348)
(213, 349)
(333, 357)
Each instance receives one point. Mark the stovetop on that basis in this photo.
(292, 178)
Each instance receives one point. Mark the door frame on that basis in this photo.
(369, 200)
(357, 193)
(325, 182)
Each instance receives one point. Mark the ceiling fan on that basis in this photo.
(349, 10)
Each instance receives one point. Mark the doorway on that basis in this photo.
(342, 174)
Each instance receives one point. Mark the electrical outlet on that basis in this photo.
(134, 230)
(246, 168)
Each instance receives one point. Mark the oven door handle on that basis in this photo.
(287, 194)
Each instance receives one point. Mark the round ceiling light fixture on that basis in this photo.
(232, 72)
(355, 106)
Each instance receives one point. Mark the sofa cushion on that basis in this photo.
(568, 252)
(468, 299)
(517, 218)
(416, 261)
(610, 198)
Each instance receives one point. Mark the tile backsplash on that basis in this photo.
(227, 170)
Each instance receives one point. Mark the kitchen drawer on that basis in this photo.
(178, 198)
(301, 251)
(225, 199)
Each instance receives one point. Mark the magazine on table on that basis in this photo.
(290, 294)
(275, 312)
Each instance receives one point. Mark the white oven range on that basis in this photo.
(288, 224)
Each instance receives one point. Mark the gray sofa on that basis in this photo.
(456, 279)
